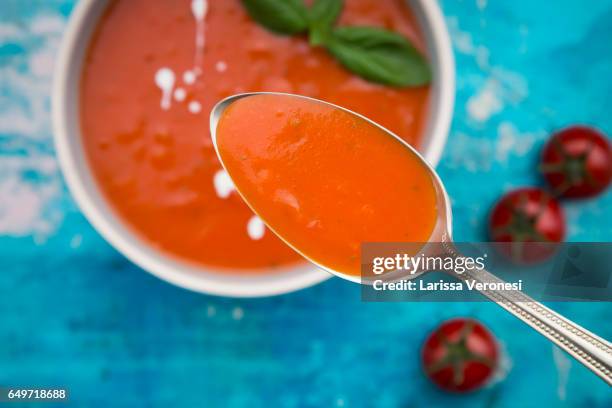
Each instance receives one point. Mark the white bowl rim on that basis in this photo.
(181, 273)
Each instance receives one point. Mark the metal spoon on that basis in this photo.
(592, 351)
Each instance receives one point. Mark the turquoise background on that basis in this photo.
(75, 313)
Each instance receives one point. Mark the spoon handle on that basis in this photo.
(591, 350)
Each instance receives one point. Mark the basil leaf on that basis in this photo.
(323, 15)
(281, 16)
(379, 56)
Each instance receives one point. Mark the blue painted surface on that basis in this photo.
(75, 313)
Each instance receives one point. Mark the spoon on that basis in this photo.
(592, 351)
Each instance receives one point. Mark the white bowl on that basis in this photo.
(90, 199)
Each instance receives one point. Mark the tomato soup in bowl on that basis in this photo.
(134, 88)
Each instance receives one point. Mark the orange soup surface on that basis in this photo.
(153, 71)
(323, 179)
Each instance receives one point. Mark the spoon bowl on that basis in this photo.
(591, 350)
(441, 233)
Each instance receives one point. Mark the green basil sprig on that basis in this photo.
(375, 54)
(379, 56)
(281, 16)
(322, 16)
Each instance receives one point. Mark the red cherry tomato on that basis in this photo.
(529, 219)
(460, 355)
(577, 162)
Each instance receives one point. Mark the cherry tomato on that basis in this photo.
(460, 355)
(577, 162)
(529, 219)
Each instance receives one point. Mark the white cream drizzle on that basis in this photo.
(194, 107)
(223, 184)
(256, 228)
(221, 66)
(164, 79)
(189, 77)
(180, 94)
(199, 9)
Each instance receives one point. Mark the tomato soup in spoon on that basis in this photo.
(323, 179)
